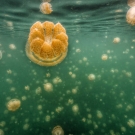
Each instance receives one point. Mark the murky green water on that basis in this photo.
(105, 105)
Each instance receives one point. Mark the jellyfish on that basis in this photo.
(91, 77)
(46, 8)
(47, 118)
(99, 114)
(116, 40)
(1, 132)
(12, 46)
(130, 17)
(48, 87)
(75, 108)
(104, 57)
(47, 43)
(57, 130)
(131, 3)
(131, 123)
(13, 104)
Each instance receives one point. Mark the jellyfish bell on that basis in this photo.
(57, 130)
(131, 3)
(13, 104)
(130, 16)
(47, 43)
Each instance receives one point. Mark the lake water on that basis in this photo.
(85, 94)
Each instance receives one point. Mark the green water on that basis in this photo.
(91, 27)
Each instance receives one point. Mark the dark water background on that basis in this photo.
(91, 26)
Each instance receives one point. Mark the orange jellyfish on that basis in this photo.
(131, 3)
(46, 8)
(57, 130)
(130, 17)
(47, 43)
(13, 104)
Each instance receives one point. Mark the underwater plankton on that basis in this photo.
(47, 43)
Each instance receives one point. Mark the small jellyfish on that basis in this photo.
(104, 57)
(78, 50)
(46, 8)
(91, 77)
(12, 46)
(27, 87)
(123, 129)
(131, 123)
(130, 16)
(131, 3)
(99, 114)
(1, 132)
(13, 104)
(26, 126)
(47, 118)
(116, 40)
(57, 130)
(48, 87)
(57, 80)
(75, 108)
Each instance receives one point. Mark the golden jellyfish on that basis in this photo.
(46, 8)
(131, 3)
(91, 77)
(48, 87)
(57, 130)
(130, 17)
(75, 108)
(13, 104)
(104, 57)
(47, 44)
(116, 40)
